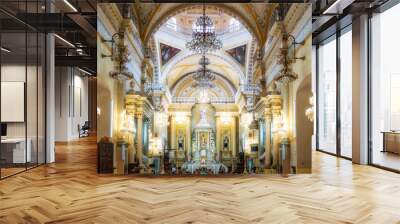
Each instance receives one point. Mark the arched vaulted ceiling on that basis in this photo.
(184, 87)
(254, 16)
(184, 64)
(179, 75)
(151, 19)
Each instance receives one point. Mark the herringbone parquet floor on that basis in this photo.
(70, 191)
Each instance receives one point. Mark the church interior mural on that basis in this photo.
(212, 89)
(167, 52)
(238, 53)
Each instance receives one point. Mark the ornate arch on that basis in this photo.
(229, 86)
(184, 55)
(155, 23)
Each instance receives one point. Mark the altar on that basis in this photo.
(202, 158)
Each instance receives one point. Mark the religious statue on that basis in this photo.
(203, 140)
(181, 141)
(203, 122)
(202, 114)
(226, 143)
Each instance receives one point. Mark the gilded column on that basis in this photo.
(218, 138)
(267, 142)
(275, 101)
(188, 138)
(130, 112)
(139, 133)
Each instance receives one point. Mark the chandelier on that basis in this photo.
(204, 77)
(286, 76)
(204, 38)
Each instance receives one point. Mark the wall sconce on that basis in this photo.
(114, 38)
(286, 74)
(294, 44)
(119, 54)
(310, 110)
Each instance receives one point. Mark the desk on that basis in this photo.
(13, 150)
(391, 141)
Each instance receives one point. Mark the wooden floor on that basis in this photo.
(70, 191)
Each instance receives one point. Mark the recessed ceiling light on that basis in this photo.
(64, 40)
(84, 71)
(338, 6)
(70, 5)
(5, 49)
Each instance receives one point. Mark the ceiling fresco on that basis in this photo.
(239, 54)
(167, 52)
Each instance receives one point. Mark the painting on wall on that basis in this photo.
(167, 52)
(239, 54)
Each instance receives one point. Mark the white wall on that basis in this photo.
(71, 103)
(33, 126)
(16, 73)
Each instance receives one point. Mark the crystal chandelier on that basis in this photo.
(286, 76)
(204, 38)
(204, 76)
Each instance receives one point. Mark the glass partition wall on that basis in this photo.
(334, 94)
(22, 77)
(346, 71)
(327, 79)
(385, 89)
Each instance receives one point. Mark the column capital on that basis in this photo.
(267, 113)
(276, 111)
(139, 114)
(130, 104)
(275, 102)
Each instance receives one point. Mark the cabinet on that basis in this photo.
(105, 158)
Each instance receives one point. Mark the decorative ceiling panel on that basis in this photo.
(167, 52)
(239, 54)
